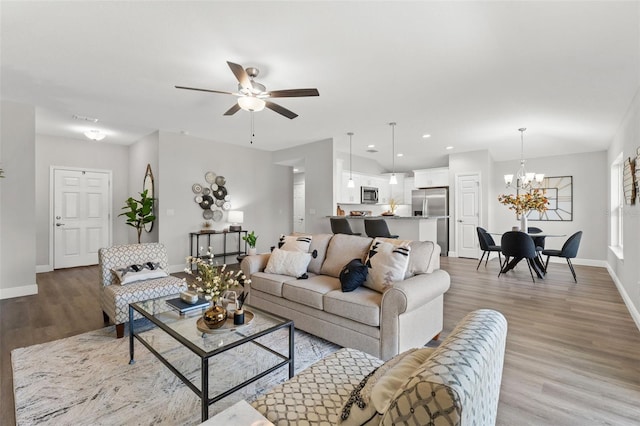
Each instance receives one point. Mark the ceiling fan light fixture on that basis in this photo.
(95, 134)
(250, 103)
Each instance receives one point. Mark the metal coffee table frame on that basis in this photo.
(205, 355)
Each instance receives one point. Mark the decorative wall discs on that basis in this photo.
(212, 197)
(210, 177)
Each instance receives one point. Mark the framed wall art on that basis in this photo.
(559, 191)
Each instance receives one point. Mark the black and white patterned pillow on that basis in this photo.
(138, 272)
(299, 243)
(387, 264)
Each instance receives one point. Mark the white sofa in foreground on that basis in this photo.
(406, 314)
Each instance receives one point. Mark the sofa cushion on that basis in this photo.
(375, 392)
(138, 272)
(342, 248)
(362, 305)
(387, 263)
(353, 275)
(268, 283)
(310, 292)
(318, 250)
(299, 243)
(292, 263)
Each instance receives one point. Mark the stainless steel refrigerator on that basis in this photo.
(434, 202)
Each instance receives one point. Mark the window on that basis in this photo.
(617, 205)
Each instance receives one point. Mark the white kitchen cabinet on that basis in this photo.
(427, 178)
(409, 185)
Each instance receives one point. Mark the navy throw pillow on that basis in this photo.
(353, 275)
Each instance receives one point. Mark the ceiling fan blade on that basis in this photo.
(235, 108)
(241, 75)
(293, 93)
(206, 90)
(281, 110)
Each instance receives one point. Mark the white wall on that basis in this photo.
(17, 201)
(319, 182)
(63, 152)
(590, 176)
(257, 186)
(141, 153)
(626, 272)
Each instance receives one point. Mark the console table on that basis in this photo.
(194, 237)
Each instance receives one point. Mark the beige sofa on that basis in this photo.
(408, 314)
(457, 383)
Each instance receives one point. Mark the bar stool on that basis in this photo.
(377, 228)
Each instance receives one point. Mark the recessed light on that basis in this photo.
(399, 154)
(426, 136)
(449, 147)
(295, 170)
(371, 146)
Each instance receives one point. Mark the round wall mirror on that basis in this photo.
(148, 186)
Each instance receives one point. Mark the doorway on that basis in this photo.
(467, 214)
(298, 202)
(81, 218)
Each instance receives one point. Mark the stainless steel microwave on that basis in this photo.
(368, 195)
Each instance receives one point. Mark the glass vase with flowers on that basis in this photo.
(212, 281)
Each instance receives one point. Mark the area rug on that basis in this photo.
(87, 380)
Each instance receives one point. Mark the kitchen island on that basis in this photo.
(416, 228)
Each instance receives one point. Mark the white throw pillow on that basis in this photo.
(299, 243)
(290, 263)
(139, 272)
(387, 263)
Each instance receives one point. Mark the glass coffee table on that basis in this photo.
(173, 337)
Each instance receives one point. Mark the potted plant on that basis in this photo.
(250, 239)
(140, 212)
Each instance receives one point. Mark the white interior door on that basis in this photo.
(298, 207)
(81, 222)
(467, 216)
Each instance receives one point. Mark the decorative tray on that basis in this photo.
(227, 326)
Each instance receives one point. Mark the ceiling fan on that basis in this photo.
(253, 96)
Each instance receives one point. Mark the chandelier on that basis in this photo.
(524, 180)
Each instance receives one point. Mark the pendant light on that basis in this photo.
(350, 184)
(392, 179)
(524, 180)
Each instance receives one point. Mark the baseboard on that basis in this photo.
(43, 268)
(578, 261)
(25, 290)
(625, 297)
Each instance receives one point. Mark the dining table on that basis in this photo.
(536, 263)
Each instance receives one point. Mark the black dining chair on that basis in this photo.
(487, 244)
(538, 241)
(341, 226)
(515, 247)
(569, 251)
(377, 228)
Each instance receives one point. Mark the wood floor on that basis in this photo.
(573, 351)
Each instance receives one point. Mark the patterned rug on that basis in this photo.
(87, 380)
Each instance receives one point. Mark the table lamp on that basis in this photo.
(236, 217)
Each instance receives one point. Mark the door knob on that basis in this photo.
(460, 220)
(59, 224)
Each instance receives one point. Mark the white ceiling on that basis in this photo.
(468, 73)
